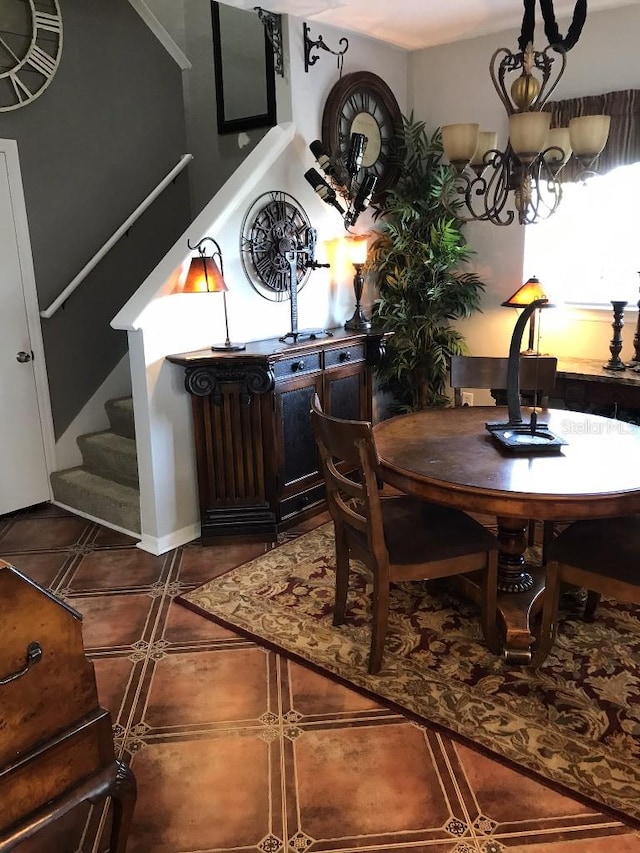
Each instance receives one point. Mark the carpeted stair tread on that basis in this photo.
(120, 414)
(111, 456)
(98, 497)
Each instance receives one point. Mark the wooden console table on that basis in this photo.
(256, 456)
(583, 383)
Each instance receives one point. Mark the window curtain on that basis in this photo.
(623, 144)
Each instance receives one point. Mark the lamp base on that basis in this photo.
(227, 346)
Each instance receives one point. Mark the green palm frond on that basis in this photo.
(416, 258)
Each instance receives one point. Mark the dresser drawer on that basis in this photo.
(344, 355)
(306, 362)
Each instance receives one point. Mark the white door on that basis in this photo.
(24, 478)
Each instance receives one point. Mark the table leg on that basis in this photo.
(520, 588)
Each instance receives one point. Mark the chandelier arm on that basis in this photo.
(545, 63)
(497, 193)
(509, 62)
(551, 27)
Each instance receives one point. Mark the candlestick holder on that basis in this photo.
(635, 361)
(615, 362)
(358, 321)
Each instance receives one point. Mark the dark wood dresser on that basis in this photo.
(257, 463)
(585, 386)
(56, 742)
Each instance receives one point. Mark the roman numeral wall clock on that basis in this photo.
(30, 49)
(361, 102)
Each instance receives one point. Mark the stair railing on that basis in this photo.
(95, 260)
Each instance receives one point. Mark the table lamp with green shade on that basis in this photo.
(527, 293)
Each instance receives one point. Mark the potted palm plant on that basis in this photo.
(417, 260)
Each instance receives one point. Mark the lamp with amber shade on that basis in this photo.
(205, 276)
(529, 292)
(357, 248)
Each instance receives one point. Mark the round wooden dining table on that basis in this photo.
(449, 457)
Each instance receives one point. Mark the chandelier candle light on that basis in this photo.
(205, 276)
(534, 155)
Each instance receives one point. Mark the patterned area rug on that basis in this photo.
(575, 722)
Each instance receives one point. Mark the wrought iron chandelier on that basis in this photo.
(526, 171)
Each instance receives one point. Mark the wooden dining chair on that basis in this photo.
(537, 377)
(600, 556)
(397, 538)
(537, 380)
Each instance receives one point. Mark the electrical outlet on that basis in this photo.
(467, 398)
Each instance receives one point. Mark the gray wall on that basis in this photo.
(92, 146)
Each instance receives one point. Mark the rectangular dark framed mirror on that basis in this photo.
(244, 69)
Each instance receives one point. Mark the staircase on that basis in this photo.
(105, 486)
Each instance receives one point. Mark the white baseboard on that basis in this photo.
(160, 545)
(101, 521)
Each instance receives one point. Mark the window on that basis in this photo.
(588, 252)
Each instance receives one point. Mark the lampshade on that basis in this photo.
(487, 141)
(589, 135)
(204, 277)
(459, 142)
(357, 248)
(529, 292)
(558, 138)
(528, 133)
(526, 294)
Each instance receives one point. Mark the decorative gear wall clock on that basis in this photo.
(274, 224)
(277, 244)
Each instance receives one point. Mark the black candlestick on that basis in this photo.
(635, 361)
(358, 322)
(615, 362)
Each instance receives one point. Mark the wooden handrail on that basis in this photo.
(86, 269)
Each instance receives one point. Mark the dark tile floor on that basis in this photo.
(237, 749)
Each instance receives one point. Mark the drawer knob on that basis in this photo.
(345, 356)
(34, 653)
(298, 365)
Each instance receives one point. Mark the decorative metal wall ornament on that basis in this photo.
(485, 176)
(310, 44)
(273, 27)
(277, 249)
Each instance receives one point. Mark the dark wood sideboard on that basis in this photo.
(257, 463)
(584, 385)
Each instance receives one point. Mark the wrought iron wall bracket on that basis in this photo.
(310, 44)
(273, 27)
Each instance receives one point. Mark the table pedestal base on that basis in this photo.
(520, 591)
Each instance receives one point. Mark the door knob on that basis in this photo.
(23, 357)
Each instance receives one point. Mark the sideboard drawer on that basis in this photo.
(344, 355)
(306, 362)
